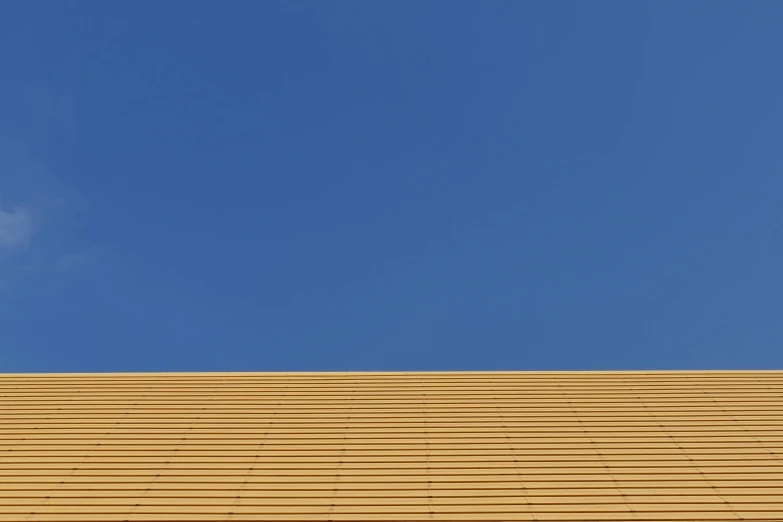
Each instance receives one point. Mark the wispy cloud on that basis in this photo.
(37, 213)
(16, 228)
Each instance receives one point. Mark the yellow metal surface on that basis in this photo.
(472, 446)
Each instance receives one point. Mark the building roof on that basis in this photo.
(470, 446)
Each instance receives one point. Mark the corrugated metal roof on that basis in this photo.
(582, 446)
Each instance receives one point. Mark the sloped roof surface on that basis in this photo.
(501, 446)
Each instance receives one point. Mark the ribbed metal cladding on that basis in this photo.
(478, 446)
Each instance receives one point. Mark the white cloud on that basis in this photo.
(16, 228)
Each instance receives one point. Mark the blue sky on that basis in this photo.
(390, 185)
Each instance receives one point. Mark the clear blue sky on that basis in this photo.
(392, 185)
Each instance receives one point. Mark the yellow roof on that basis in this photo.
(481, 446)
